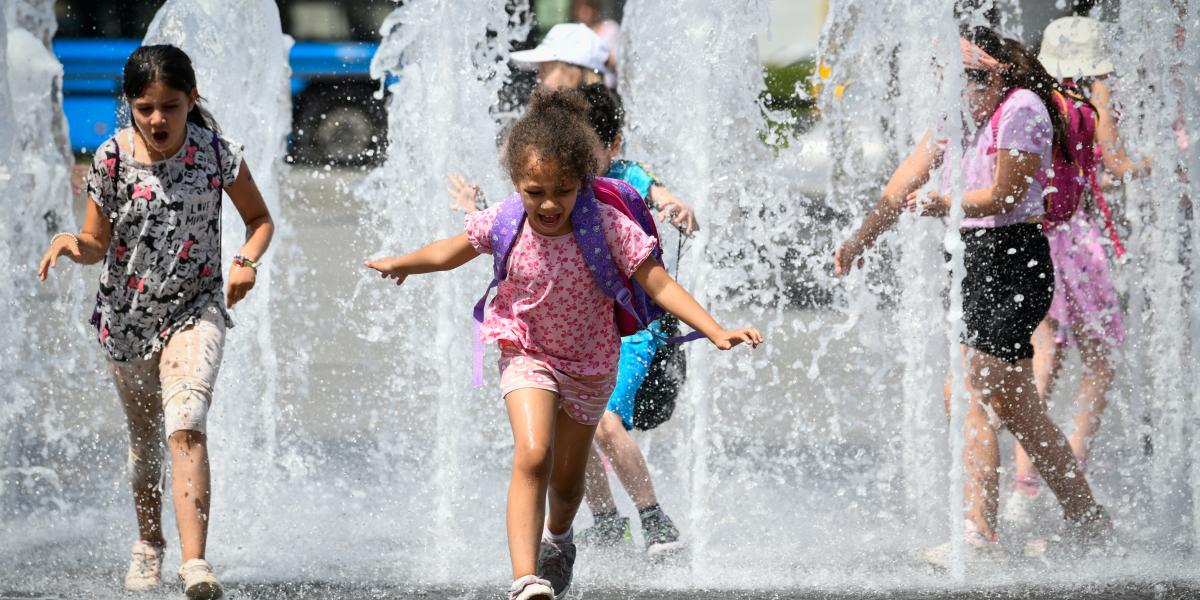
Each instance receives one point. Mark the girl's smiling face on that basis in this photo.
(160, 116)
(548, 194)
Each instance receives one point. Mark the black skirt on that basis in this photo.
(1008, 288)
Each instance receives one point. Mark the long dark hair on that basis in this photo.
(170, 66)
(1025, 72)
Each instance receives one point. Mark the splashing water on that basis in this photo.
(820, 461)
(40, 364)
(451, 62)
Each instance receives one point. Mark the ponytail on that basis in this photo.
(170, 66)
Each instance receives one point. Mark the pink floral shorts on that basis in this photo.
(582, 398)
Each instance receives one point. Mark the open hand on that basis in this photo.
(241, 281)
(933, 205)
(680, 214)
(389, 268)
(59, 246)
(728, 339)
(465, 195)
(671, 207)
(846, 257)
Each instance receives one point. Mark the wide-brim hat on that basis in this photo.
(572, 43)
(1073, 47)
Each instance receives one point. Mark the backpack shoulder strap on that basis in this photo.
(994, 122)
(116, 176)
(216, 146)
(510, 217)
(503, 236)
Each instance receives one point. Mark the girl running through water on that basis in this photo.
(554, 324)
(1085, 309)
(1008, 285)
(154, 218)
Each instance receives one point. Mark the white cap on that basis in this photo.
(1073, 47)
(572, 43)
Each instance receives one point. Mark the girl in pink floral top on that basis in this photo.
(558, 340)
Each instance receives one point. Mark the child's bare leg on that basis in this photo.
(188, 370)
(1091, 398)
(531, 413)
(1016, 402)
(137, 386)
(572, 447)
(599, 494)
(627, 460)
(190, 490)
(1047, 363)
(981, 452)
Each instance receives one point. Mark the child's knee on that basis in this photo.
(185, 406)
(533, 460)
(609, 428)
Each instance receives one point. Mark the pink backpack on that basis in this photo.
(1069, 178)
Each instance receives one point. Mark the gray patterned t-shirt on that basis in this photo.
(163, 267)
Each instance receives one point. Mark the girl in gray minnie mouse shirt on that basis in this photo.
(154, 218)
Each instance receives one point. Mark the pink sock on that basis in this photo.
(1030, 485)
(1082, 460)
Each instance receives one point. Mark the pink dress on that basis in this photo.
(1084, 297)
(549, 306)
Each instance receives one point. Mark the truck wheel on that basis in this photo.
(342, 133)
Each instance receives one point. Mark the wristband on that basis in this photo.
(242, 261)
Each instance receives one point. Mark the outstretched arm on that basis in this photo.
(908, 177)
(1112, 151)
(442, 255)
(677, 301)
(88, 247)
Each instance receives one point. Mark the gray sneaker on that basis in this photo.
(1092, 533)
(606, 532)
(556, 561)
(662, 537)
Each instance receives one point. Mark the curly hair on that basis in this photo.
(555, 126)
(607, 114)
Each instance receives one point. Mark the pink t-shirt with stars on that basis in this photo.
(550, 305)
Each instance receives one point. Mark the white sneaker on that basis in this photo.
(199, 583)
(531, 587)
(145, 568)
(977, 549)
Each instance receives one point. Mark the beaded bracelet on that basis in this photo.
(65, 234)
(242, 261)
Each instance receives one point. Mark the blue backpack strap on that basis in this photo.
(503, 237)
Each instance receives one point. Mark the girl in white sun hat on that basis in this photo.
(1085, 310)
(571, 55)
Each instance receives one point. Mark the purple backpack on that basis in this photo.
(634, 309)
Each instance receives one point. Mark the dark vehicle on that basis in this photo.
(336, 114)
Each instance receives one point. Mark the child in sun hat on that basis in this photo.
(569, 56)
